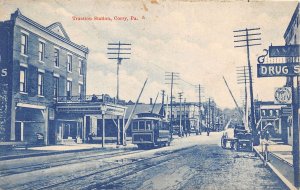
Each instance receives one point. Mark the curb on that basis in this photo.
(12, 157)
(279, 175)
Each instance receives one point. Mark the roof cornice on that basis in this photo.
(17, 14)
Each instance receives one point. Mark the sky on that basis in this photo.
(192, 38)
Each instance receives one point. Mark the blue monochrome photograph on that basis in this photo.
(149, 94)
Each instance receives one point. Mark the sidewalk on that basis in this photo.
(280, 160)
(17, 153)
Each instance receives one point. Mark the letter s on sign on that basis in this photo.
(3, 72)
(297, 69)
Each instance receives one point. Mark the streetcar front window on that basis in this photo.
(135, 125)
(141, 125)
(148, 125)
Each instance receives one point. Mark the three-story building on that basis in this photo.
(38, 64)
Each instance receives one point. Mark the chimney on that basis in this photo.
(150, 101)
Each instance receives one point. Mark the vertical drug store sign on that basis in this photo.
(3, 99)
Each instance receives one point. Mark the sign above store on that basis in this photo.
(284, 51)
(278, 70)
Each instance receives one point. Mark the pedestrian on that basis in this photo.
(94, 98)
(189, 130)
(90, 137)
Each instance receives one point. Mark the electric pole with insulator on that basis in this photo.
(251, 38)
(184, 112)
(199, 91)
(180, 112)
(118, 51)
(243, 78)
(170, 77)
(163, 102)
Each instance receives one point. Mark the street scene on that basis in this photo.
(149, 94)
(189, 163)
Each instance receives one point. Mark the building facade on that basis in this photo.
(40, 64)
(291, 37)
(188, 112)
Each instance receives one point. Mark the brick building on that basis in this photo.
(38, 64)
(291, 37)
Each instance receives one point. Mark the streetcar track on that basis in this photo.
(11, 171)
(53, 185)
(114, 179)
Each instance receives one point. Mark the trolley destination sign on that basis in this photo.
(284, 51)
(278, 70)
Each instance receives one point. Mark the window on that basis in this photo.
(69, 63)
(80, 90)
(41, 51)
(56, 57)
(69, 88)
(80, 67)
(141, 125)
(56, 87)
(40, 84)
(24, 44)
(148, 125)
(23, 76)
(135, 125)
(271, 112)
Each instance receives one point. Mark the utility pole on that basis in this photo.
(208, 122)
(163, 102)
(170, 77)
(296, 155)
(180, 116)
(117, 51)
(213, 115)
(184, 111)
(199, 90)
(250, 36)
(243, 78)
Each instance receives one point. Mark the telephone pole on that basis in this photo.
(251, 37)
(243, 78)
(163, 101)
(184, 111)
(209, 115)
(170, 77)
(118, 51)
(199, 90)
(180, 116)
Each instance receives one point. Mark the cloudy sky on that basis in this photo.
(192, 38)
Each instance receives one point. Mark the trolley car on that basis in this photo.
(150, 130)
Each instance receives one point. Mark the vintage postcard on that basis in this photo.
(149, 94)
